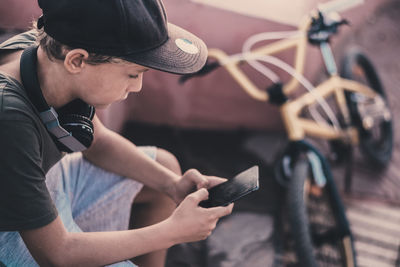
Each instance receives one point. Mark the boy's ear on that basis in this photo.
(74, 60)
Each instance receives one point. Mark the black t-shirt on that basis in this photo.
(27, 152)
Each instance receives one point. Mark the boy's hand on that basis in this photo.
(191, 181)
(190, 222)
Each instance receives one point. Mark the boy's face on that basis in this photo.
(107, 83)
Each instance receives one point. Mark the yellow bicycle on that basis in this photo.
(315, 213)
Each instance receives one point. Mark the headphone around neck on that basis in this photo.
(70, 126)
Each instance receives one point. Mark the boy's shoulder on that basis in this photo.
(20, 41)
(13, 97)
(14, 102)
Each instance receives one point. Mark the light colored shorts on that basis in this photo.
(87, 198)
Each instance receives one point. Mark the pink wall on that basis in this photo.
(18, 14)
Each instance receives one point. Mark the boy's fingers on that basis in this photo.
(222, 211)
(199, 179)
(198, 196)
(214, 180)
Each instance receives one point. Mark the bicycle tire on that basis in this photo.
(377, 146)
(320, 239)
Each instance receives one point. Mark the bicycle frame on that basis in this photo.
(297, 127)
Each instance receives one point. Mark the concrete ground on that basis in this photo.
(248, 238)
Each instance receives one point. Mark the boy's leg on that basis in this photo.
(151, 207)
(99, 200)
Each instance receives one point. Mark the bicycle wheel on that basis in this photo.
(317, 221)
(371, 116)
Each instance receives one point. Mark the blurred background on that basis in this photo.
(209, 123)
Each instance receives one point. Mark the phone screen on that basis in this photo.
(233, 189)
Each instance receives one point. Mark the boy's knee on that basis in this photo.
(168, 160)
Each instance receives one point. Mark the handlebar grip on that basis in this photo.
(338, 5)
(207, 68)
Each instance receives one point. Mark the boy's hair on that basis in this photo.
(57, 51)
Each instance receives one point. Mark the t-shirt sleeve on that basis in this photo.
(25, 202)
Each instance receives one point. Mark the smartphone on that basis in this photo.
(233, 189)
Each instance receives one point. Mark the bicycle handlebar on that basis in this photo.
(239, 77)
(207, 68)
(338, 5)
(320, 30)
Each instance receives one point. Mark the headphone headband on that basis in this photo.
(28, 68)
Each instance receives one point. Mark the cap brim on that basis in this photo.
(182, 53)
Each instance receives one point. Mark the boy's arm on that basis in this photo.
(52, 245)
(116, 154)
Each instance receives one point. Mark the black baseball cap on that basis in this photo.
(133, 30)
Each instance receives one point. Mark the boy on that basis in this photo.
(66, 210)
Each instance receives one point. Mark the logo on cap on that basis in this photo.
(186, 46)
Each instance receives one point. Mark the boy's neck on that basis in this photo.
(54, 81)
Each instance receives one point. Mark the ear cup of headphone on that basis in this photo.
(80, 127)
(79, 107)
